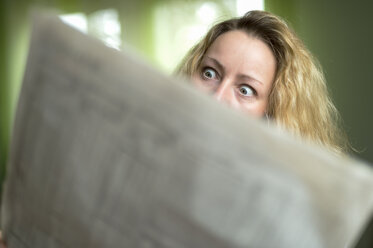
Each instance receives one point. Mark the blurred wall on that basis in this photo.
(3, 93)
(340, 35)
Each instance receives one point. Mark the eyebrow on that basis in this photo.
(241, 75)
(217, 63)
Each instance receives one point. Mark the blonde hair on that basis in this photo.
(299, 99)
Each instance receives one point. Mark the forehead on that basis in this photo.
(239, 49)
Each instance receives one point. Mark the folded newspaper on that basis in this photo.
(108, 152)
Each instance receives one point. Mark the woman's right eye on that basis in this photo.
(209, 73)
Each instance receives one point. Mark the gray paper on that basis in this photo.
(108, 152)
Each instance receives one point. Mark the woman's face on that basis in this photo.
(238, 69)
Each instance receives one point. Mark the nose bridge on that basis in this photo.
(224, 92)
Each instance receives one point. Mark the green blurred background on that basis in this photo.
(339, 34)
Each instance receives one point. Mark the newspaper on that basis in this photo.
(108, 152)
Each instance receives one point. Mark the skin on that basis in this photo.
(238, 69)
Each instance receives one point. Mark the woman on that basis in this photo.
(258, 65)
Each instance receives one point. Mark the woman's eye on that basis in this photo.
(246, 90)
(209, 73)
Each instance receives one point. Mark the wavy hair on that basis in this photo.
(299, 100)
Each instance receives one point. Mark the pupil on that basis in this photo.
(243, 91)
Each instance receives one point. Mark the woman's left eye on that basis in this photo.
(246, 90)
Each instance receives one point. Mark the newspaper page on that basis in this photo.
(108, 152)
